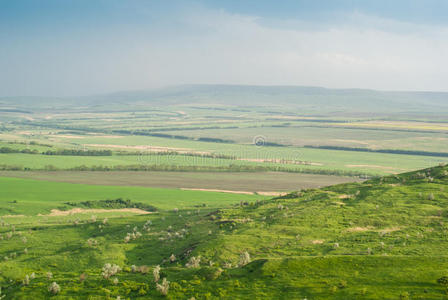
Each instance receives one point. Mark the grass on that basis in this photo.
(383, 238)
(31, 197)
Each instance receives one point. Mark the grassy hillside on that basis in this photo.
(381, 239)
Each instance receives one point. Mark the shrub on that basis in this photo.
(92, 242)
(214, 274)
(143, 269)
(54, 288)
(156, 273)
(26, 281)
(244, 258)
(163, 288)
(443, 280)
(110, 270)
(193, 262)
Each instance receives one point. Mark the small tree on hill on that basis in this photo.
(163, 288)
(54, 288)
(244, 258)
(156, 273)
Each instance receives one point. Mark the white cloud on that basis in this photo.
(213, 46)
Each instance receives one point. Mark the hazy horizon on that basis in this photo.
(168, 87)
(76, 48)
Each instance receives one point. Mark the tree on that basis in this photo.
(163, 288)
(244, 258)
(193, 262)
(54, 288)
(156, 273)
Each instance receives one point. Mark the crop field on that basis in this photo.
(143, 151)
(198, 137)
(325, 135)
(255, 182)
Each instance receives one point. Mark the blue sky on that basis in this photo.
(79, 47)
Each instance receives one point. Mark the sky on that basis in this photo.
(85, 47)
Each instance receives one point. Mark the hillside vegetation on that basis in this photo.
(384, 238)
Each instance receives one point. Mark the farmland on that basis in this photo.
(198, 131)
(281, 201)
(239, 181)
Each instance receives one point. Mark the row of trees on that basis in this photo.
(177, 168)
(72, 152)
(391, 151)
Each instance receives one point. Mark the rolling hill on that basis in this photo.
(308, 99)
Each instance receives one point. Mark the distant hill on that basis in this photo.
(309, 99)
(295, 96)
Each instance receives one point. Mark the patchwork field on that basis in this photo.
(186, 194)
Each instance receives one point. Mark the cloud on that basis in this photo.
(376, 53)
(200, 45)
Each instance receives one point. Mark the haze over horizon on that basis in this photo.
(54, 48)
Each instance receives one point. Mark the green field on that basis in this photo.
(26, 196)
(270, 158)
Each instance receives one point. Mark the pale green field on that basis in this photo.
(307, 134)
(370, 163)
(31, 197)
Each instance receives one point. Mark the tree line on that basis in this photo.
(177, 168)
(390, 151)
(72, 152)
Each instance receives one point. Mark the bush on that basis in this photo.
(443, 280)
(110, 270)
(54, 288)
(244, 258)
(193, 262)
(163, 288)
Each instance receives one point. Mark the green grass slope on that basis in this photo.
(381, 239)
